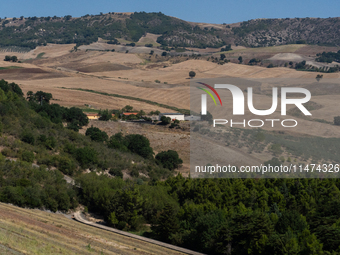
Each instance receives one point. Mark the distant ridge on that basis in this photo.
(33, 31)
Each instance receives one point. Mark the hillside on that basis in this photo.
(28, 33)
(270, 32)
(31, 32)
(28, 231)
(214, 216)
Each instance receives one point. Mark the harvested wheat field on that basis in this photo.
(31, 231)
(149, 38)
(63, 72)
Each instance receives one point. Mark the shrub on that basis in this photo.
(66, 165)
(28, 138)
(73, 125)
(27, 156)
(165, 120)
(96, 134)
(77, 116)
(169, 159)
(134, 172)
(140, 145)
(276, 149)
(337, 120)
(273, 162)
(121, 225)
(260, 137)
(116, 172)
(105, 115)
(86, 156)
(119, 142)
(50, 142)
(112, 219)
(173, 125)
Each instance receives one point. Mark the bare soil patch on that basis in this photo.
(102, 67)
(28, 73)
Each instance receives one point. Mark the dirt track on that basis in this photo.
(78, 217)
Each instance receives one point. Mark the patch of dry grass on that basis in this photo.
(36, 232)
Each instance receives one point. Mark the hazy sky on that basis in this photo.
(219, 11)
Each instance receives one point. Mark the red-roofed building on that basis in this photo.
(129, 113)
(92, 116)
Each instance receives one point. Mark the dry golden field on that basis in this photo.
(32, 231)
(59, 70)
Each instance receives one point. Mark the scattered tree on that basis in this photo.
(165, 120)
(96, 134)
(105, 115)
(169, 159)
(337, 120)
(319, 77)
(127, 108)
(192, 74)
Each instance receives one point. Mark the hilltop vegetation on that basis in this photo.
(270, 32)
(31, 32)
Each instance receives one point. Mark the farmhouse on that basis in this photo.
(172, 116)
(92, 116)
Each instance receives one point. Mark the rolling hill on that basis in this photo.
(28, 33)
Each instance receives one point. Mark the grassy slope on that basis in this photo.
(36, 232)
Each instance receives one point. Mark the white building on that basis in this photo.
(172, 116)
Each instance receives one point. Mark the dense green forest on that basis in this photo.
(224, 216)
(215, 216)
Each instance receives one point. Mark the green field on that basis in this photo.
(10, 67)
(40, 55)
(289, 48)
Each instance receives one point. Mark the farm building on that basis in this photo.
(93, 116)
(128, 113)
(172, 116)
